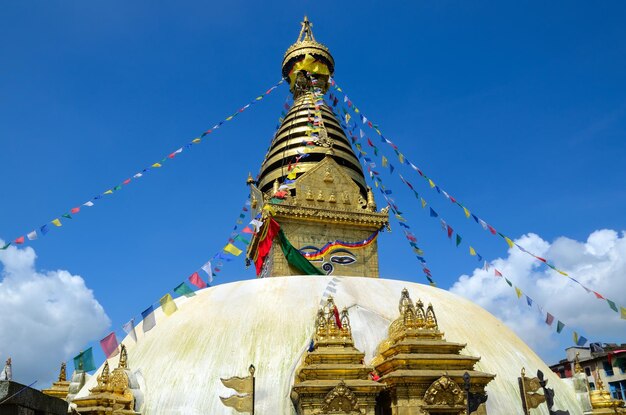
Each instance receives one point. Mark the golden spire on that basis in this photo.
(123, 363)
(62, 373)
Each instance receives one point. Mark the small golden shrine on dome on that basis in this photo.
(61, 387)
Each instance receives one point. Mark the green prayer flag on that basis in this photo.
(559, 326)
(66, 215)
(458, 239)
(242, 239)
(295, 258)
(242, 215)
(183, 289)
(118, 187)
(508, 282)
(5, 246)
(612, 305)
(84, 361)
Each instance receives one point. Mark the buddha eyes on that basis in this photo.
(342, 259)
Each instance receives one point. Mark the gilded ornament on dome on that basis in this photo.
(444, 392)
(340, 400)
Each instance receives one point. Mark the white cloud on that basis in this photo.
(46, 317)
(598, 263)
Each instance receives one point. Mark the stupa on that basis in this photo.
(316, 253)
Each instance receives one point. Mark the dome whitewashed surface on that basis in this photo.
(269, 323)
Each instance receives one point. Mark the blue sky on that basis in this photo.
(517, 109)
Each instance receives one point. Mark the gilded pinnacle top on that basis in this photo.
(307, 54)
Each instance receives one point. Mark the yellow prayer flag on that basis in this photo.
(232, 249)
(384, 161)
(508, 241)
(347, 118)
(269, 209)
(292, 175)
(196, 140)
(432, 184)
(401, 157)
(575, 336)
(375, 183)
(356, 110)
(108, 192)
(423, 203)
(623, 312)
(229, 118)
(472, 251)
(156, 165)
(56, 222)
(518, 292)
(562, 273)
(168, 305)
(467, 212)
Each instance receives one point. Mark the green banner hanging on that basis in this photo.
(295, 258)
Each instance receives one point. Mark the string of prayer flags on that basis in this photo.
(43, 230)
(466, 211)
(109, 345)
(168, 305)
(149, 321)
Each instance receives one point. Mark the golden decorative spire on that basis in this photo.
(103, 379)
(123, 363)
(62, 373)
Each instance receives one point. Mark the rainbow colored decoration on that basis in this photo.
(331, 246)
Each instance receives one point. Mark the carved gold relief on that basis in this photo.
(444, 391)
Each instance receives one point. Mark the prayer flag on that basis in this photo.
(472, 251)
(168, 305)
(269, 232)
(75, 210)
(623, 312)
(44, 229)
(575, 335)
(612, 305)
(155, 165)
(19, 240)
(458, 239)
(432, 184)
(559, 326)
(232, 249)
(5, 246)
(109, 345)
(32, 236)
(129, 328)
(581, 341)
(56, 222)
(196, 140)
(508, 282)
(108, 192)
(149, 321)
(90, 203)
(497, 273)
(509, 242)
(183, 289)
(84, 361)
(66, 215)
(197, 281)
(450, 231)
(247, 230)
(518, 292)
(598, 295)
(423, 203)
(529, 301)
(242, 239)
(208, 269)
(549, 319)
(467, 212)
(433, 214)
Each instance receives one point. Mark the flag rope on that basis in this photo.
(44, 229)
(404, 160)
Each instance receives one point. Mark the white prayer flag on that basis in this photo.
(129, 328)
(209, 270)
(32, 236)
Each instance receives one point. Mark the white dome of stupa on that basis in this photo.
(269, 323)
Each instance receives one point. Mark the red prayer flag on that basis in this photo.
(126, 181)
(450, 231)
(491, 229)
(197, 281)
(541, 259)
(498, 273)
(549, 319)
(109, 345)
(268, 231)
(247, 230)
(75, 210)
(598, 295)
(337, 319)
(19, 240)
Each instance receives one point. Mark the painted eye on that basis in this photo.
(342, 259)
